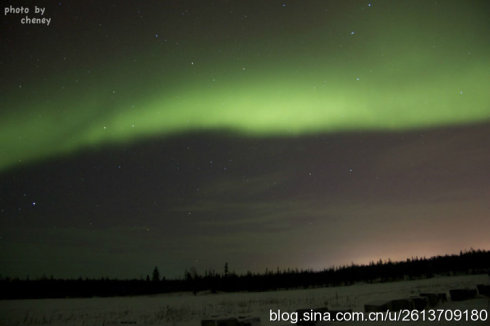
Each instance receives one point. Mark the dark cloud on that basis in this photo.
(204, 199)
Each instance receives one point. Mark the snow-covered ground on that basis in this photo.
(188, 310)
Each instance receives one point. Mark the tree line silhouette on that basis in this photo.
(468, 262)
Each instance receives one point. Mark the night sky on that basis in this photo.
(265, 134)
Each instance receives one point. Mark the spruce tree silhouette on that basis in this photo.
(156, 275)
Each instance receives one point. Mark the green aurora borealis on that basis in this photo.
(351, 67)
(262, 133)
